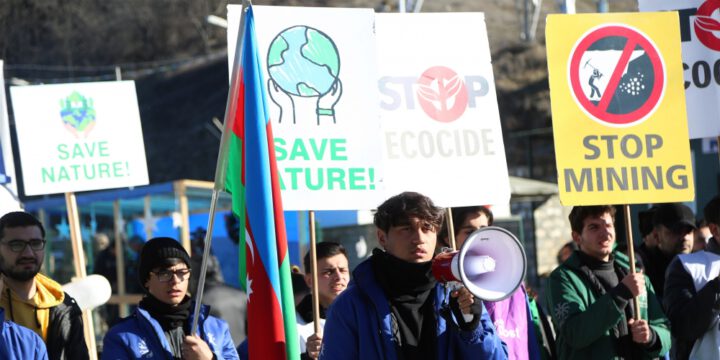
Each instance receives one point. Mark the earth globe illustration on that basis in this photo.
(303, 61)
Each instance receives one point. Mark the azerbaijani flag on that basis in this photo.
(247, 169)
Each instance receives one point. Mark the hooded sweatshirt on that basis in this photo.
(35, 312)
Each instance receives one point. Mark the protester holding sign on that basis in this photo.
(512, 316)
(691, 298)
(395, 309)
(333, 276)
(159, 328)
(32, 299)
(590, 296)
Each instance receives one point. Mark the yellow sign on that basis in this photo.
(618, 106)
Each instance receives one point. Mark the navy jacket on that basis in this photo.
(359, 326)
(139, 336)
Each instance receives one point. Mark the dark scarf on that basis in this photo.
(604, 277)
(409, 289)
(169, 317)
(305, 310)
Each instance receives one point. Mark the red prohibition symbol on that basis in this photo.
(617, 75)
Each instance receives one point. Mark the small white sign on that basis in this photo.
(79, 137)
(700, 41)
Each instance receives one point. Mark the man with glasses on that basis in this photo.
(160, 326)
(31, 299)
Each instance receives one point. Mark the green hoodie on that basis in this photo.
(584, 320)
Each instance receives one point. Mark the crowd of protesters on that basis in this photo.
(391, 306)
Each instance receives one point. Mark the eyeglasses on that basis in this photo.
(167, 275)
(20, 245)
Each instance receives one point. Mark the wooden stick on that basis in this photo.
(451, 229)
(120, 256)
(314, 274)
(147, 215)
(631, 254)
(79, 263)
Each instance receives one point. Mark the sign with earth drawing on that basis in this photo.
(618, 107)
(440, 121)
(700, 38)
(320, 70)
(79, 137)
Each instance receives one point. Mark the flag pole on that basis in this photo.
(203, 267)
(313, 270)
(631, 254)
(451, 229)
(221, 167)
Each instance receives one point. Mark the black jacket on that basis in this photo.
(65, 338)
(690, 312)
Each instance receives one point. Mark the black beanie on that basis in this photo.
(156, 252)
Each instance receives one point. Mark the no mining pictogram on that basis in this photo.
(616, 75)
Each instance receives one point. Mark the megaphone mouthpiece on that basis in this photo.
(479, 265)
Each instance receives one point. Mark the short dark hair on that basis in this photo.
(398, 210)
(578, 214)
(459, 214)
(324, 250)
(712, 211)
(19, 219)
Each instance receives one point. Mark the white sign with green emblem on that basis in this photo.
(79, 137)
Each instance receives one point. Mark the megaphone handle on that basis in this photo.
(462, 318)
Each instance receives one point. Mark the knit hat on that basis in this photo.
(674, 216)
(156, 252)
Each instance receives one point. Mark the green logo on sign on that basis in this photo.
(78, 114)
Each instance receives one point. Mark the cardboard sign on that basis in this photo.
(426, 120)
(700, 41)
(618, 109)
(79, 137)
(320, 72)
(441, 124)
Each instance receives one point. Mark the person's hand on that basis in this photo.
(465, 299)
(282, 100)
(326, 103)
(640, 331)
(194, 348)
(635, 283)
(313, 344)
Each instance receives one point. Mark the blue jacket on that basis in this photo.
(19, 343)
(139, 336)
(359, 326)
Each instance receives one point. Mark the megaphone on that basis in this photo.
(491, 264)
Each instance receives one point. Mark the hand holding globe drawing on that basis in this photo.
(304, 65)
(326, 103)
(282, 100)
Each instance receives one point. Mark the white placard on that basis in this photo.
(701, 60)
(8, 181)
(79, 137)
(320, 73)
(441, 124)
